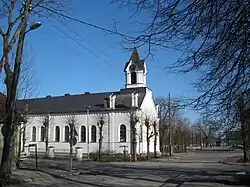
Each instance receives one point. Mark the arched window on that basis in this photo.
(83, 134)
(33, 134)
(42, 134)
(122, 133)
(66, 133)
(133, 78)
(57, 137)
(93, 133)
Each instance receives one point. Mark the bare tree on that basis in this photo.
(208, 128)
(46, 122)
(100, 125)
(156, 133)
(243, 111)
(15, 15)
(134, 119)
(149, 132)
(181, 134)
(27, 87)
(72, 121)
(28, 84)
(213, 40)
(168, 111)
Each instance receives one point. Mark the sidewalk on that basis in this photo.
(175, 156)
(29, 178)
(234, 161)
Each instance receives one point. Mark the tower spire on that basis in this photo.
(135, 71)
(135, 55)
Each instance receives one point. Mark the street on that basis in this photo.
(185, 169)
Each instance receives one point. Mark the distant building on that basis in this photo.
(116, 108)
(233, 138)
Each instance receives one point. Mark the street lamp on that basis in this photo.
(34, 26)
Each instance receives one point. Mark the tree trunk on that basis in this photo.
(71, 146)
(155, 144)
(9, 127)
(100, 148)
(134, 142)
(148, 148)
(71, 154)
(179, 143)
(18, 164)
(23, 138)
(148, 143)
(162, 147)
(134, 148)
(8, 152)
(46, 142)
(243, 134)
(46, 148)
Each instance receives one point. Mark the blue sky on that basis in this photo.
(96, 65)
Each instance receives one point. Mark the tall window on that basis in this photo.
(33, 134)
(122, 133)
(133, 78)
(66, 137)
(83, 134)
(57, 138)
(93, 133)
(42, 133)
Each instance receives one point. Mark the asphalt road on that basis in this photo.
(188, 169)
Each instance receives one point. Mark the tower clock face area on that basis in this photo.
(132, 67)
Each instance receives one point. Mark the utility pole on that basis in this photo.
(169, 126)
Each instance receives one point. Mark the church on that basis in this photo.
(86, 109)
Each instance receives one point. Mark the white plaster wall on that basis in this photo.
(111, 132)
(140, 77)
(148, 109)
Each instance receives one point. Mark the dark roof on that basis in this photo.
(135, 58)
(79, 103)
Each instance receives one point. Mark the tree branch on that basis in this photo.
(2, 33)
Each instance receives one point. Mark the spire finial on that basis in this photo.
(135, 50)
(135, 55)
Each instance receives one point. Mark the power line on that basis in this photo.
(87, 41)
(88, 24)
(77, 53)
(115, 32)
(80, 44)
(90, 43)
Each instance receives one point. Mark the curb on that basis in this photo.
(225, 161)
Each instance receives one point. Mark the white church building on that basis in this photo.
(114, 107)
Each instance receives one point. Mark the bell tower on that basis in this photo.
(135, 71)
